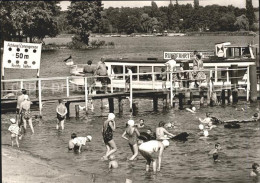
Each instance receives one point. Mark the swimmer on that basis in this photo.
(161, 132)
(14, 130)
(141, 124)
(201, 127)
(216, 149)
(256, 116)
(255, 170)
(107, 131)
(76, 143)
(169, 125)
(132, 134)
(207, 120)
(112, 163)
(149, 151)
(192, 110)
(61, 114)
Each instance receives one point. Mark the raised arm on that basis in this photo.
(112, 125)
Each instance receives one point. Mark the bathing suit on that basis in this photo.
(108, 134)
(60, 118)
(132, 138)
(26, 114)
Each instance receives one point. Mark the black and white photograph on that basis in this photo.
(110, 91)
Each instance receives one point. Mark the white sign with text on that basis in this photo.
(19, 55)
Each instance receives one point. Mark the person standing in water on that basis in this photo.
(132, 133)
(107, 132)
(25, 111)
(61, 114)
(149, 151)
(161, 132)
(20, 99)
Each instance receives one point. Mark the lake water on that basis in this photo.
(182, 162)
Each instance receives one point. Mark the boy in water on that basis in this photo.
(14, 129)
(61, 114)
(255, 170)
(112, 163)
(141, 124)
(149, 151)
(77, 142)
(161, 132)
(215, 151)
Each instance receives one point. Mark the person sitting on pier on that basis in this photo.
(25, 111)
(107, 132)
(15, 132)
(89, 71)
(20, 99)
(76, 143)
(255, 170)
(132, 134)
(161, 132)
(61, 114)
(102, 71)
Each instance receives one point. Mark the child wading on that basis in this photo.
(14, 129)
(132, 133)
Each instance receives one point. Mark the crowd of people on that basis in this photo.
(141, 138)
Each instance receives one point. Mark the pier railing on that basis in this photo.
(72, 86)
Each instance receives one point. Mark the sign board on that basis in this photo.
(18, 55)
(220, 50)
(186, 55)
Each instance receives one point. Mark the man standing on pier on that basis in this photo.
(171, 67)
(102, 71)
(61, 114)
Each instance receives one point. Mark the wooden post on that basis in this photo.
(111, 84)
(234, 75)
(216, 74)
(253, 83)
(153, 77)
(191, 99)
(229, 96)
(68, 86)
(131, 92)
(223, 97)
(234, 96)
(37, 89)
(77, 111)
(155, 103)
(201, 98)
(111, 105)
(86, 93)
(120, 105)
(181, 101)
(40, 96)
(171, 94)
(135, 108)
(67, 104)
(21, 86)
(248, 85)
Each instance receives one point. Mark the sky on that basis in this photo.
(107, 4)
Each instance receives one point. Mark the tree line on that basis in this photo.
(38, 19)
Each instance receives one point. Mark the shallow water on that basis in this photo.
(182, 162)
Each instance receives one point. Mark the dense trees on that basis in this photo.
(33, 19)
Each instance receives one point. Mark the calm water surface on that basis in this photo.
(182, 162)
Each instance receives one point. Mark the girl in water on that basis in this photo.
(107, 132)
(132, 133)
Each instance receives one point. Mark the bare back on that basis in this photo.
(61, 109)
(25, 105)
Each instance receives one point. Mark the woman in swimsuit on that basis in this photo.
(107, 132)
(132, 133)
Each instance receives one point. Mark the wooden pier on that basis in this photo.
(169, 96)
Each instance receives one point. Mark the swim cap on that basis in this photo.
(12, 120)
(166, 143)
(206, 133)
(201, 127)
(111, 116)
(89, 137)
(25, 97)
(131, 122)
(193, 108)
(255, 115)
